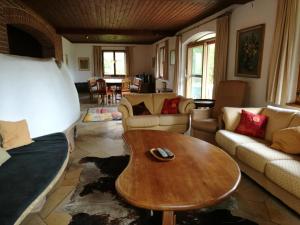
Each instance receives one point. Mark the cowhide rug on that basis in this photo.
(96, 202)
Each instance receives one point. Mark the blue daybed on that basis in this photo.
(29, 175)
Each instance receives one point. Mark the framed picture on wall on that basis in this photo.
(249, 51)
(172, 57)
(83, 63)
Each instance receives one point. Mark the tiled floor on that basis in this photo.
(252, 201)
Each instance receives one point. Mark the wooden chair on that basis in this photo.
(206, 121)
(136, 85)
(125, 89)
(101, 90)
(92, 88)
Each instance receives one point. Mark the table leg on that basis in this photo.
(168, 218)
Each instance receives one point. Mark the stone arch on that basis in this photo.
(39, 29)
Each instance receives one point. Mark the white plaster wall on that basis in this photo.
(161, 43)
(251, 14)
(38, 91)
(142, 58)
(68, 56)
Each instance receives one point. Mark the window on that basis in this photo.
(114, 63)
(161, 62)
(200, 69)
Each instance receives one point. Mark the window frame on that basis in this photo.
(191, 45)
(114, 54)
(161, 62)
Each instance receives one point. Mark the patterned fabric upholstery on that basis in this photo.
(169, 120)
(277, 119)
(286, 174)
(143, 121)
(257, 155)
(232, 115)
(208, 125)
(295, 121)
(228, 140)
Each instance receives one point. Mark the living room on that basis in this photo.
(149, 112)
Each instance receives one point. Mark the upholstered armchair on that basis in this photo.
(207, 121)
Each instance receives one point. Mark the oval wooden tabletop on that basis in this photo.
(201, 175)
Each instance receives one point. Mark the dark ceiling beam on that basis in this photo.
(82, 31)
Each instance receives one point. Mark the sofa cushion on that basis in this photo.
(209, 125)
(158, 101)
(170, 106)
(232, 115)
(4, 156)
(286, 174)
(295, 121)
(174, 119)
(228, 140)
(135, 99)
(140, 109)
(14, 134)
(257, 155)
(278, 119)
(287, 140)
(143, 121)
(252, 124)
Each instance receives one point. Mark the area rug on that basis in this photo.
(100, 114)
(96, 202)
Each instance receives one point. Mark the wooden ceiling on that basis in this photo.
(124, 21)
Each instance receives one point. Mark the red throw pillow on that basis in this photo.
(252, 124)
(170, 106)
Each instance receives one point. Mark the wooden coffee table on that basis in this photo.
(201, 175)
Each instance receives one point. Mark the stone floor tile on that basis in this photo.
(281, 214)
(33, 219)
(58, 218)
(255, 209)
(55, 199)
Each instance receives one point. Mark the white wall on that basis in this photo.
(38, 91)
(142, 58)
(251, 14)
(161, 43)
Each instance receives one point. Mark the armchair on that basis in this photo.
(207, 121)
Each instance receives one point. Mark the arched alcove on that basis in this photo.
(25, 43)
(35, 30)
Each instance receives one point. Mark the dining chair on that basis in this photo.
(92, 85)
(101, 90)
(125, 89)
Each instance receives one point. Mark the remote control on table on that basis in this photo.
(170, 154)
(162, 153)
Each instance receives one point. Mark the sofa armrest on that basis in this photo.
(201, 114)
(186, 105)
(125, 107)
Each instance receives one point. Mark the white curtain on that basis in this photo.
(177, 63)
(221, 51)
(97, 53)
(285, 53)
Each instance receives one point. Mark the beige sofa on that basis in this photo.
(154, 102)
(277, 172)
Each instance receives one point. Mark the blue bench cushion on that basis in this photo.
(28, 173)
